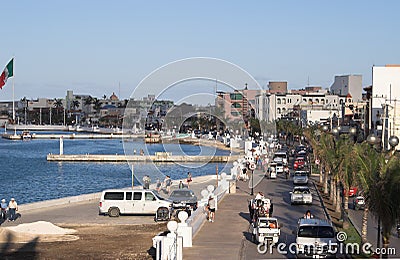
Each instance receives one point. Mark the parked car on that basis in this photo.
(183, 199)
(300, 177)
(301, 195)
(127, 201)
(359, 203)
(352, 191)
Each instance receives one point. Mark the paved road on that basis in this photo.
(372, 232)
(86, 212)
(286, 214)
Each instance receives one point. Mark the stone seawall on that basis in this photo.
(139, 158)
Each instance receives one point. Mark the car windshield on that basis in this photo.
(301, 190)
(300, 174)
(181, 193)
(158, 196)
(316, 232)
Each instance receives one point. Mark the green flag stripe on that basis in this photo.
(10, 68)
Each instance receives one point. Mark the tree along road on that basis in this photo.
(372, 231)
(287, 215)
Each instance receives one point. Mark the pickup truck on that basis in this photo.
(301, 195)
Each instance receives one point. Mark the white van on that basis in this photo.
(131, 201)
(315, 238)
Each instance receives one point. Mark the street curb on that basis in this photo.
(322, 202)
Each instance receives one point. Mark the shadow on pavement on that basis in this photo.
(27, 251)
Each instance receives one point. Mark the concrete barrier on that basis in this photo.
(59, 202)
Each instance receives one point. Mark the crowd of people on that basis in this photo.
(8, 210)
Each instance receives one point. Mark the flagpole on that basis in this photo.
(13, 95)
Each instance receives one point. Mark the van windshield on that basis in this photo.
(158, 196)
(316, 232)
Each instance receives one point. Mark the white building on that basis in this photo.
(274, 106)
(385, 101)
(348, 84)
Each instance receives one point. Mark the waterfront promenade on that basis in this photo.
(83, 209)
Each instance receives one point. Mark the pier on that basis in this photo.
(139, 158)
(72, 136)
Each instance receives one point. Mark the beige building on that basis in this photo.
(277, 87)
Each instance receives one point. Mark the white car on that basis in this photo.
(131, 201)
(301, 195)
(300, 177)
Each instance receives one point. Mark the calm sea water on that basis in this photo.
(26, 175)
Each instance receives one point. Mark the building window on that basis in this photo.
(317, 101)
(278, 101)
(304, 100)
(283, 110)
(283, 101)
(278, 110)
(236, 105)
(235, 113)
(310, 101)
(236, 96)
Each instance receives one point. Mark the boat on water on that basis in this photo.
(26, 135)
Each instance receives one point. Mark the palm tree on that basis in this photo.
(88, 101)
(379, 178)
(75, 104)
(96, 104)
(58, 103)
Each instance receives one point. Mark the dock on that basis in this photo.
(72, 136)
(139, 158)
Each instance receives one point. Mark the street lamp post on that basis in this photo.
(393, 142)
(252, 183)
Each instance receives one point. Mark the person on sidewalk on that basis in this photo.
(158, 185)
(12, 207)
(211, 208)
(189, 179)
(3, 207)
(168, 183)
(180, 185)
(146, 182)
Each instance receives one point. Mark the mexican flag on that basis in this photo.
(8, 72)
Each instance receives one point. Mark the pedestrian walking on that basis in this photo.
(146, 182)
(3, 206)
(211, 209)
(189, 179)
(168, 183)
(180, 186)
(158, 185)
(12, 207)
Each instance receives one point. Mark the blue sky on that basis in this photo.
(92, 46)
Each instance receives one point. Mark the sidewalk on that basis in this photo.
(223, 239)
